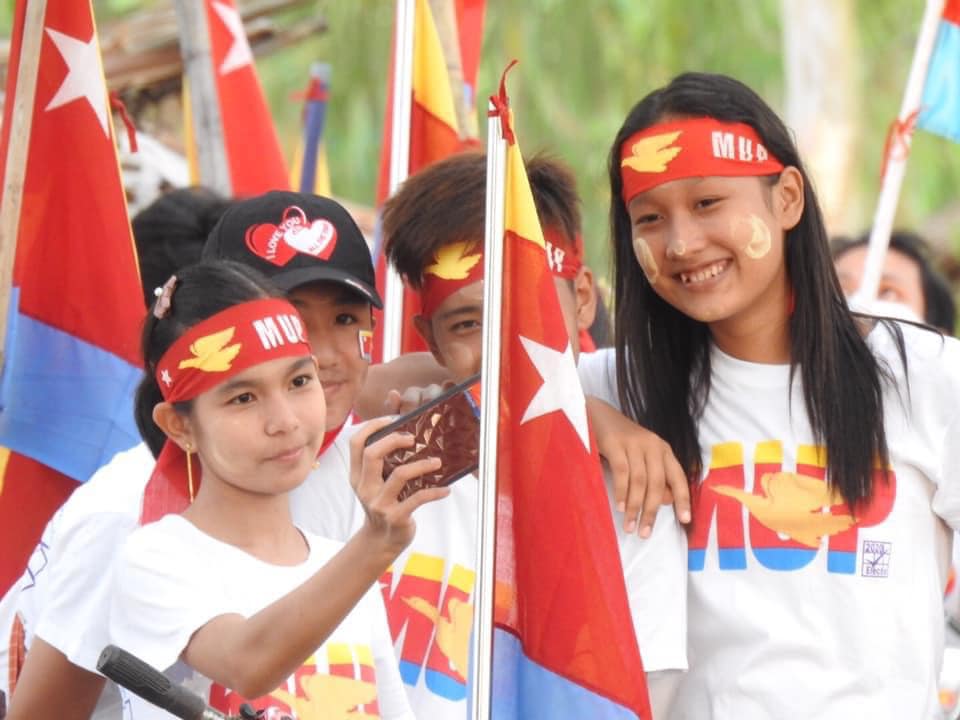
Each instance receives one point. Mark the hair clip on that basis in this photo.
(161, 308)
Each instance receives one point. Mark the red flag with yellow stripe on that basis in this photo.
(434, 130)
(563, 644)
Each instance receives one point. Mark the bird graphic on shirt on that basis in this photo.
(211, 353)
(329, 697)
(653, 154)
(453, 635)
(793, 506)
(453, 261)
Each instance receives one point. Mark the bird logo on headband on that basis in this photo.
(653, 154)
(211, 353)
(451, 262)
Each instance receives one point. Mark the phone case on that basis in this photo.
(447, 427)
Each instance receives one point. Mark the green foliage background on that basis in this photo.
(582, 66)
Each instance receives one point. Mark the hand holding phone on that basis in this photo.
(447, 427)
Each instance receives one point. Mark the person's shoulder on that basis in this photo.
(923, 348)
(598, 374)
(117, 487)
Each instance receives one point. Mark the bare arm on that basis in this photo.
(413, 369)
(645, 471)
(255, 655)
(50, 685)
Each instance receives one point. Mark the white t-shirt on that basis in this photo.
(63, 596)
(845, 621)
(428, 593)
(654, 568)
(171, 579)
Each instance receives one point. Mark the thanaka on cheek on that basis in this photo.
(758, 245)
(647, 262)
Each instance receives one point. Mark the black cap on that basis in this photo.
(295, 239)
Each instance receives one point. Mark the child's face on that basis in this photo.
(261, 430)
(334, 318)
(455, 331)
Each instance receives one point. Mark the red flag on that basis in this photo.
(29, 495)
(563, 643)
(250, 140)
(70, 362)
(434, 133)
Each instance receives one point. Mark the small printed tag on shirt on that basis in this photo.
(875, 560)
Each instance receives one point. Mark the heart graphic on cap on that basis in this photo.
(278, 244)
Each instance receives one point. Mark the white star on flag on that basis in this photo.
(561, 387)
(239, 54)
(84, 77)
(165, 378)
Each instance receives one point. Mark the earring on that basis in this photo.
(189, 448)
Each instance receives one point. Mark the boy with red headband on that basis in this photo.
(434, 229)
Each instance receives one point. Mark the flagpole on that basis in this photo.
(483, 595)
(21, 120)
(205, 109)
(399, 163)
(896, 161)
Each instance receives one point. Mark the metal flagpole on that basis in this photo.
(21, 122)
(490, 414)
(399, 163)
(205, 107)
(896, 162)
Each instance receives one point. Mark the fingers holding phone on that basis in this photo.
(388, 516)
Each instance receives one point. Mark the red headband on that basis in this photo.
(564, 261)
(697, 147)
(460, 264)
(228, 343)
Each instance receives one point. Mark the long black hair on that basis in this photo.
(201, 291)
(663, 355)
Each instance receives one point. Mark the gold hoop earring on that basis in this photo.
(189, 449)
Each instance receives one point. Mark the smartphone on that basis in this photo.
(447, 427)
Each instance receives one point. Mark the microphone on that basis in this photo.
(153, 686)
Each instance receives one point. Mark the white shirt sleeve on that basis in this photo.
(598, 375)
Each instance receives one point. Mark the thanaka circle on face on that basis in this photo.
(645, 257)
(761, 240)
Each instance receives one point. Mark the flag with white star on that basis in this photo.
(250, 139)
(71, 358)
(563, 643)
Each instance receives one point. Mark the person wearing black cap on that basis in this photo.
(312, 249)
